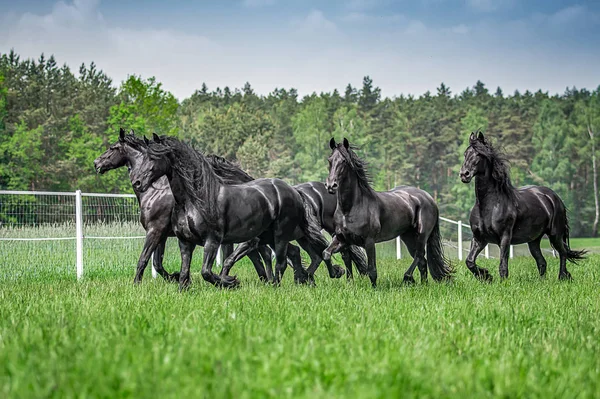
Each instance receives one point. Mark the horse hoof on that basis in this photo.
(228, 282)
(184, 286)
(565, 276)
(484, 275)
(174, 277)
(409, 280)
(338, 271)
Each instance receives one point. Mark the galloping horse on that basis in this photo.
(157, 202)
(505, 215)
(210, 213)
(364, 217)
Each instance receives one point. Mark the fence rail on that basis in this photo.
(96, 216)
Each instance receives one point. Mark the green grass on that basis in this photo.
(104, 337)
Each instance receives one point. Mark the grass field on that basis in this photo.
(104, 337)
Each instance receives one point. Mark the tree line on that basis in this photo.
(53, 123)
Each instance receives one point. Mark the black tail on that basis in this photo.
(572, 256)
(439, 266)
(359, 258)
(311, 226)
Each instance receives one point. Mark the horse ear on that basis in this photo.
(155, 137)
(480, 137)
(131, 132)
(332, 144)
(472, 137)
(346, 143)
(146, 140)
(121, 134)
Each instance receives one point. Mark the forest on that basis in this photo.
(55, 121)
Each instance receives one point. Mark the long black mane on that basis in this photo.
(500, 165)
(197, 175)
(358, 165)
(230, 172)
(133, 141)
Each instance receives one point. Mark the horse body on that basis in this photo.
(157, 202)
(325, 205)
(208, 212)
(505, 215)
(364, 217)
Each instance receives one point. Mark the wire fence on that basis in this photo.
(44, 223)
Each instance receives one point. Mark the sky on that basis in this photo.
(407, 47)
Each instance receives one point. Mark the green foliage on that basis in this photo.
(24, 151)
(145, 107)
(417, 141)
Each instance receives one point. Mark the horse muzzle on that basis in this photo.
(331, 188)
(466, 176)
(98, 168)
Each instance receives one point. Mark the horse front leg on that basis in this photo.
(371, 260)
(186, 249)
(504, 252)
(477, 246)
(153, 238)
(335, 246)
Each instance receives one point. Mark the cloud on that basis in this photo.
(361, 5)
(258, 3)
(488, 5)
(415, 27)
(315, 23)
(361, 17)
(461, 29)
(316, 52)
(76, 33)
(568, 15)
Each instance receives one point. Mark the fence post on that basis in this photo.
(512, 252)
(460, 240)
(152, 266)
(79, 234)
(398, 248)
(487, 251)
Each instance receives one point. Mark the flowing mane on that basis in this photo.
(230, 172)
(500, 165)
(357, 165)
(197, 175)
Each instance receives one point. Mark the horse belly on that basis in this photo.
(528, 228)
(246, 220)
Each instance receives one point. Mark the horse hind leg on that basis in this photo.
(536, 252)
(559, 245)
(416, 247)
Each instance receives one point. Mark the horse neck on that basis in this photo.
(183, 192)
(351, 193)
(487, 189)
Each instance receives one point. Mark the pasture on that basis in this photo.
(104, 337)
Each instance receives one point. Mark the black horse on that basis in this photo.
(208, 212)
(505, 215)
(324, 204)
(157, 202)
(364, 217)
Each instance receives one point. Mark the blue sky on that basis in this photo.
(407, 47)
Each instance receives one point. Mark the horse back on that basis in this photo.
(404, 208)
(540, 208)
(322, 201)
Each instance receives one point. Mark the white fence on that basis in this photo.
(82, 217)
